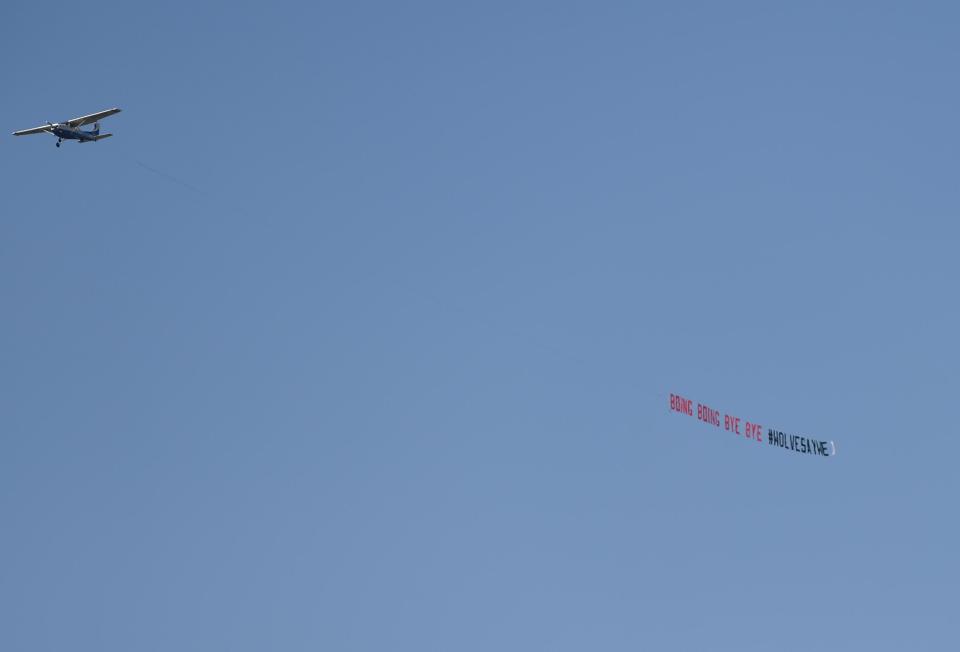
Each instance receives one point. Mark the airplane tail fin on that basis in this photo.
(101, 137)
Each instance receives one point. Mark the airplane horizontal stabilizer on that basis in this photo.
(102, 136)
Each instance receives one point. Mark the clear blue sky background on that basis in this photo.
(359, 333)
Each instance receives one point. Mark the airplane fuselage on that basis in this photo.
(66, 133)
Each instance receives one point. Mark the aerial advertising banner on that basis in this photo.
(751, 430)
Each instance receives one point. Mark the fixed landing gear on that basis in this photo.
(58, 142)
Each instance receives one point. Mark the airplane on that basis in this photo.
(70, 130)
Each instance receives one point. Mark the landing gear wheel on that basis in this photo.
(58, 143)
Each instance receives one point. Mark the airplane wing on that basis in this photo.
(93, 117)
(35, 130)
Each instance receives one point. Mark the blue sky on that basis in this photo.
(359, 333)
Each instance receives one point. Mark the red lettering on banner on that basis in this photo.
(731, 423)
(754, 431)
(682, 405)
(708, 415)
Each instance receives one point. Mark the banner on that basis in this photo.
(751, 430)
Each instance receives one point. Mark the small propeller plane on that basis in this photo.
(70, 130)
